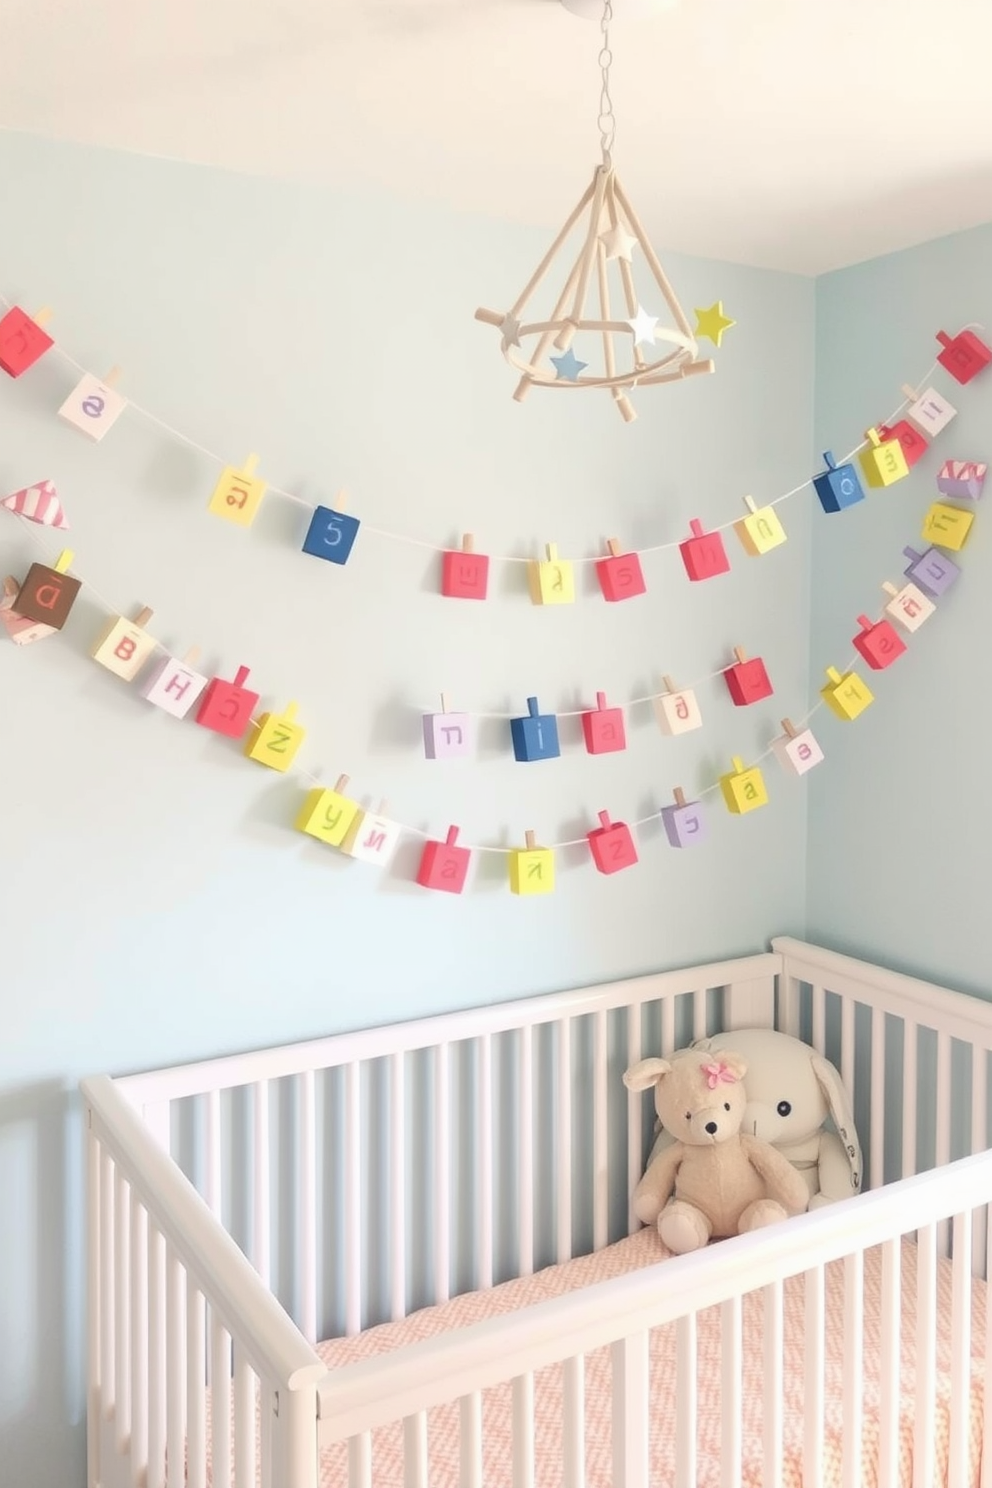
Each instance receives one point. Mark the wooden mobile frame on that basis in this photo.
(608, 208)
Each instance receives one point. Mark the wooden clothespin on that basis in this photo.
(740, 655)
(613, 547)
(112, 377)
(43, 316)
(143, 616)
(788, 729)
(668, 684)
(679, 795)
(444, 703)
(531, 840)
(192, 656)
(341, 784)
(468, 542)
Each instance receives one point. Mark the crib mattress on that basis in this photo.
(628, 1255)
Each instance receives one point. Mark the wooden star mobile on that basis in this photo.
(560, 349)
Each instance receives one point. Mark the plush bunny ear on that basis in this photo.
(647, 1073)
(842, 1112)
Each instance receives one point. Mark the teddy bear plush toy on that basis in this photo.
(791, 1092)
(714, 1180)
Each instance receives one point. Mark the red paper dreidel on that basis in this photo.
(963, 355)
(747, 681)
(703, 553)
(620, 575)
(760, 530)
(125, 645)
(464, 572)
(48, 594)
(909, 607)
(226, 707)
(22, 340)
(878, 642)
(238, 494)
(275, 739)
(913, 444)
(603, 728)
(929, 411)
(611, 845)
(173, 685)
(883, 462)
(444, 865)
(796, 751)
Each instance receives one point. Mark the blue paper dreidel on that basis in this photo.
(837, 486)
(535, 737)
(331, 534)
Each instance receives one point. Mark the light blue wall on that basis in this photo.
(899, 827)
(156, 904)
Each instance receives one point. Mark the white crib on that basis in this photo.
(343, 1183)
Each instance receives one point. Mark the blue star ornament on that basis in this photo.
(568, 366)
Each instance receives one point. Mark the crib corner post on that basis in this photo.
(751, 1004)
(295, 1459)
(93, 1302)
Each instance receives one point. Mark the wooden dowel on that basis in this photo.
(542, 267)
(626, 273)
(489, 317)
(652, 260)
(588, 253)
(524, 385)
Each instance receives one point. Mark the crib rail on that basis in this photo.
(361, 1397)
(173, 1305)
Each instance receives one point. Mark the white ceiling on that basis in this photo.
(797, 134)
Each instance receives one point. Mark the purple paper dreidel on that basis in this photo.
(932, 571)
(684, 822)
(446, 734)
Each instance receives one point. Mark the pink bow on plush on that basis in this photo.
(717, 1074)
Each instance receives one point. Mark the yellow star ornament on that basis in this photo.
(712, 323)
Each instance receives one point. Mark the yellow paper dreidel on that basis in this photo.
(532, 868)
(125, 645)
(947, 526)
(328, 815)
(883, 462)
(275, 739)
(846, 696)
(743, 789)
(238, 494)
(551, 580)
(761, 530)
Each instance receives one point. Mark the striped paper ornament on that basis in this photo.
(39, 503)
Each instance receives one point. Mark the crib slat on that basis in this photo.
(773, 1348)
(485, 1160)
(175, 1369)
(848, 1012)
(600, 1156)
(926, 1355)
(813, 1379)
(667, 1025)
(196, 1416)
(876, 1117)
(909, 1087)
(244, 1421)
(122, 1308)
(360, 1460)
(525, 1154)
(790, 994)
(220, 1403)
(731, 1365)
(156, 1358)
(397, 1190)
(686, 1403)
(215, 1172)
(261, 1237)
(563, 1145)
(573, 1422)
(522, 1407)
(942, 1133)
(352, 1198)
(441, 1235)
(699, 1001)
(139, 1339)
(979, 1118)
(415, 1451)
(819, 1020)
(266, 1435)
(108, 1287)
(960, 1401)
(93, 1252)
(635, 1118)
(629, 1358)
(307, 1237)
(854, 1319)
(889, 1365)
(987, 1401)
(470, 1441)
